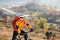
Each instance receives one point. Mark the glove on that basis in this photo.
(31, 30)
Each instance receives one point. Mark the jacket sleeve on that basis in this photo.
(13, 24)
(28, 24)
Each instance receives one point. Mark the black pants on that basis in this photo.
(15, 33)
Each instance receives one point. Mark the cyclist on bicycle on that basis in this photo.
(18, 25)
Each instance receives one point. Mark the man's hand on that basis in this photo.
(31, 30)
(19, 32)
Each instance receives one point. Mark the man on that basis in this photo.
(19, 25)
(48, 34)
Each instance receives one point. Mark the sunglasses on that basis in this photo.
(21, 17)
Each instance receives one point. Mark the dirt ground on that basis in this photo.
(6, 34)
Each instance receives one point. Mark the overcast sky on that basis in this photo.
(53, 3)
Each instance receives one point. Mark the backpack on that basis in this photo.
(14, 21)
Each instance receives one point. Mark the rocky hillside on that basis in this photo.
(39, 11)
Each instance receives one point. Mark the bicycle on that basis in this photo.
(20, 37)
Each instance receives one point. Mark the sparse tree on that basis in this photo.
(54, 26)
(46, 26)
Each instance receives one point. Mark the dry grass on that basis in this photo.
(6, 34)
(4, 37)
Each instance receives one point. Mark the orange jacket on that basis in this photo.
(14, 22)
(21, 23)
